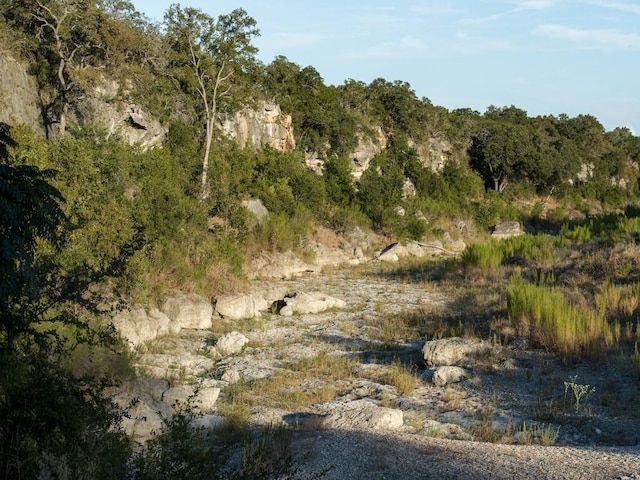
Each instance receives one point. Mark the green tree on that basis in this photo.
(501, 151)
(208, 53)
(54, 422)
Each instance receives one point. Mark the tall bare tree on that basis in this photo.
(209, 53)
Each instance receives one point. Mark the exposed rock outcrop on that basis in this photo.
(361, 414)
(19, 101)
(137, 325)
(188, 311)
(264, 125)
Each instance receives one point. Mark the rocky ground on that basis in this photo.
(364, 402)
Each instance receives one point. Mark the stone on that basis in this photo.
(145, 417)
(229, 344)
(174, 365)
(414, 249)
(392, 253)
(231, 375)
(449, 374)
(361, 414)
(261, 126)
(451, 351)
(256, 207)
(137, 325)
(241, 306)
(197, 400)
(309, 302)
(507, 230)
(208, 421)
(189, 311)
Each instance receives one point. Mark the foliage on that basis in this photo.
(55, 419)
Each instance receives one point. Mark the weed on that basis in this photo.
(538, 434)
(579, 391)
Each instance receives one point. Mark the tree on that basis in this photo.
(500, 151)
(64, 38)
(208, 53)
(54, 422)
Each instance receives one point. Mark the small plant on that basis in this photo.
(579, 391)
(538, 434)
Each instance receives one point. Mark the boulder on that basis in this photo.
(256, 207)
(507, 230)
(137, 325)
(361, 414)
(451, 351)
(414, 249)
(309, 302)
(392, 253)
(229, 344)
(197, 400)
(449, 374)
(238, 307)
(208, 421)
(144, 417)
(189, 311)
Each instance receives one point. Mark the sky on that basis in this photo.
(547, 57)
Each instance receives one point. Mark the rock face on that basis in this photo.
(265, 125)
(238, 307)
(19, 102)
(367, 148)
(117, 117)
(435, 153)
(451, 351)
(257, 209)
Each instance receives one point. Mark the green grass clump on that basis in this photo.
(549, 318)
(484, 256)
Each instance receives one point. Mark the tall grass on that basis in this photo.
(550, 319)
(485, 256)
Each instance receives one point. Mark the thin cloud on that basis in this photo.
(404, 47)
(591, 39)
(533, 5)
(620, 6)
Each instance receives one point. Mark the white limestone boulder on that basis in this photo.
(448, 374)
(309, 303)
(190, 311)
(361, 414)
(138, 325)
(452, 351)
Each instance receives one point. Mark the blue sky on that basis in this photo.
(544, 56)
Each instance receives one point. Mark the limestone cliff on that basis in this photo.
(264, 125)
(106, 106)
(19, 101)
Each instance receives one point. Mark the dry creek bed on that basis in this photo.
(507, 391)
